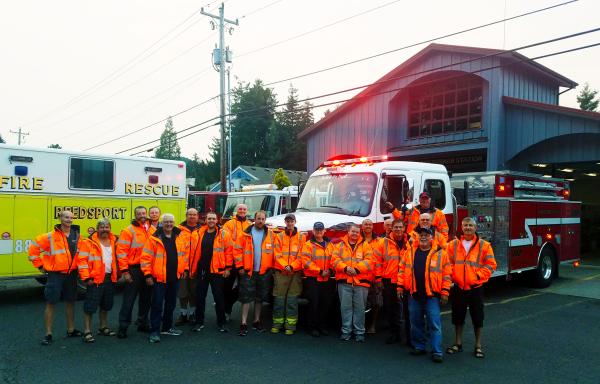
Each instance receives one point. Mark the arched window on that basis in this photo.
(445, 106)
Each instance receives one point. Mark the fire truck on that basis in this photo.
(529, 220)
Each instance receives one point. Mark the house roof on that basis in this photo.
(396, 72)
(551, 108)
(265, 175)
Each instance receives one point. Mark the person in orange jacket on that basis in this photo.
(235, 227)
(425, 222)
(411, 216)
(164, 260)
(473, 264)
(211, 261)
(354, 267)
(187, 287)
(319, 282)
(375, 296)
(55, 253)
(260, 247)
(287, 277)
(426, 274)
(391, 249)
(97, 265)
(129, 250)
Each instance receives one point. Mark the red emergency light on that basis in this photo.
(548, 236)
(354, 161)
(504, 186)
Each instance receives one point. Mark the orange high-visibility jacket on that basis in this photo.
(187, 235)
(374, 243)
(90, 262)
(269, 249)
(51, 251)
(222, 258)
(316, 259)
(290, 250)
(388, 258)
(438, 220)
(438, 272)
(360, 258)
(130, 244)
(438, 239)
(474, 268)
(235, 228)
(153, 261)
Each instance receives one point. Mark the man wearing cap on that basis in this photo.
(287, 277)
(412, 215)
(320, 288)
(425, 272)
(425, 222)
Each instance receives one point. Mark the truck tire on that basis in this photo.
(546, 269)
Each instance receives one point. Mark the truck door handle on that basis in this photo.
(386, 217)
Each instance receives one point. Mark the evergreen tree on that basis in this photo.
(587, 98)
(2, 140)
(169, 147)
(55, 146)
(280, 179)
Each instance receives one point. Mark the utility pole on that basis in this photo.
(220, 56)
(229, 135)
(20, 135)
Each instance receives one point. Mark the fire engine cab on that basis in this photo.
(529, 220)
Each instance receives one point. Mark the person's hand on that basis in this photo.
(444, 300)
(242, 272)
(186, 274)
(325, 273)
(89, 282)
(288, 269)
(149, 281)
(350, 271)
(42, 270)
(226, 273)
(400, 295)
(389, 205)
(127, 277)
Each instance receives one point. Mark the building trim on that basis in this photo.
(551, 108)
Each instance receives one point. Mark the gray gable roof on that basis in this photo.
(265, 175)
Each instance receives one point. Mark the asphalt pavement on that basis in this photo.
(550, 335)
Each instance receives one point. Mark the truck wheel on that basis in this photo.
(546, 269)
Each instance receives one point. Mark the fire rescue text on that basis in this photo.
(149, 189)
(22, 183)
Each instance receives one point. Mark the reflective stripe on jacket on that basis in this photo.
(388, 258)
(438, 220)
(438, 272)
(269, 249)
(153, 261)
(130, 244)
(360, 258)
(187, 235)
(90, 262)
(222, 257)
(290, 250)
(474, 268)
(316, 258)
(235, 229)
(51, 251)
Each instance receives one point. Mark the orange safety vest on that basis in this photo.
(389, 258)
(438, 272)
(290, 250)
(235, 229)
(51, 251)
(90, 262)
(187, 235)
(222, 258)
(130, 244)
(269, 249)
(153, 260)
(316, 259)
(411, 221)
(474, 268)
(360, 258)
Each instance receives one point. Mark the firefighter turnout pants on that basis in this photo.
(286, 290)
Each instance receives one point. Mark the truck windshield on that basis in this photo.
(343, 193)
(254, 203)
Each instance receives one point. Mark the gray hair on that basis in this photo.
(103, 221)
(167, 216)
(469, 220)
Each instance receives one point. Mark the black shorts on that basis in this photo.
(255, 288)
(61, 285)
(472, 299)
(99, 295)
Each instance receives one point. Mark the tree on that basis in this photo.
(169, 147)
(253, 111)
(587, 98)
(55, 146)
(280, 179)
(2, 140)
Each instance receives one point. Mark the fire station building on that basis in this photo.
(471, 109)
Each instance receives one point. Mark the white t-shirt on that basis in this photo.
(107, 258)
(467, 244)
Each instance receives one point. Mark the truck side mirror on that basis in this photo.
(405, 190)
(465, 192)
(383, 175)
(301, 185)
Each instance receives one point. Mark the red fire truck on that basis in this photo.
(530, 221)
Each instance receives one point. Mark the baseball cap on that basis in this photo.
(290, 216)
(318, 225)
(424, 195)
(421, 230)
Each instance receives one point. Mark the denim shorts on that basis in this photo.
(99, 295)
(255, 288)
(61, 285)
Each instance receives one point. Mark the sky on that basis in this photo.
(82, 72)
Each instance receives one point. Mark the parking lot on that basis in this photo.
(530, 335)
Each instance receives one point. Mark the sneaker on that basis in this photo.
(198, 327)
(182, 319)
(257, 326)
(172, 332)
(275, 330)
(323, 332)
(222, 329)
(154, 338)
(143, 327)
(345, 337)
(47, 340)
(243, 330)
(315, 333)
(360, 338)
(437, 358)
(417, 352)
(393, 338)
(122, 333)
(289, 332)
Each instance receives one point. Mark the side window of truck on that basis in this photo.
(437, 190)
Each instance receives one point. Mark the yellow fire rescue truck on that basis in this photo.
(36, 184)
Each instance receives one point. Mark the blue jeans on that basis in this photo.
(430, 308)
(164, 299)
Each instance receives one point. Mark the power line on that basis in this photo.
(412, 45)
(260, 8)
